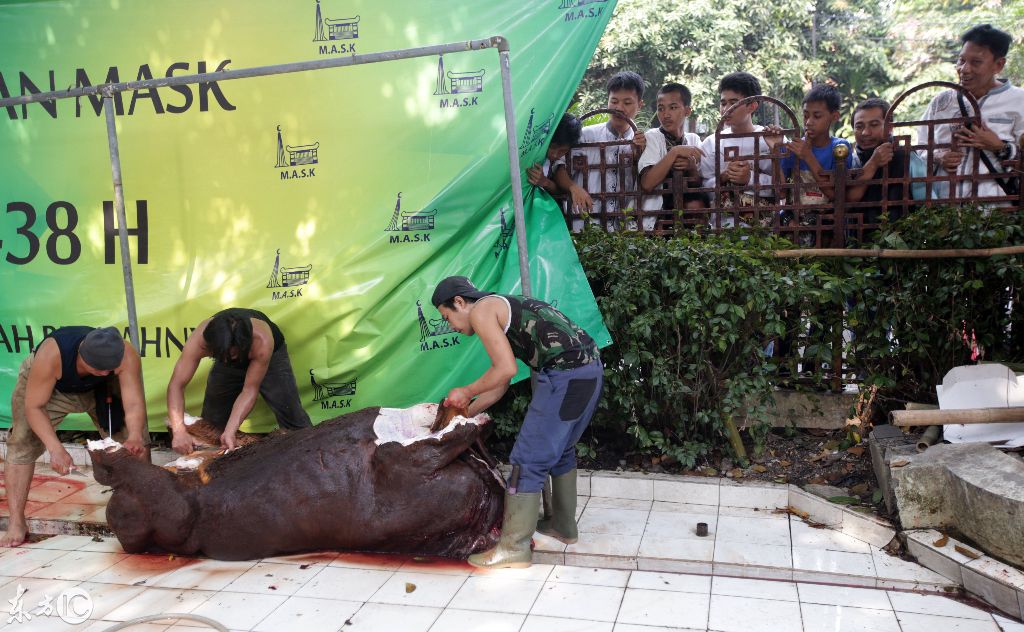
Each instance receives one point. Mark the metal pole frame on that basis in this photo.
(107, 91)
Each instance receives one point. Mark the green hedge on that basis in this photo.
(691, 318)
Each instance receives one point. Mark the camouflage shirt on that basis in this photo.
(545, 338)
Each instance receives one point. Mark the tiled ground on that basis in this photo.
(655, 574)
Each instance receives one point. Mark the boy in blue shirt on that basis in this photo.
(817, 163)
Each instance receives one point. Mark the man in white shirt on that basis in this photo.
(981, 59)
(625, 94)
(718, 166)
(670, 149)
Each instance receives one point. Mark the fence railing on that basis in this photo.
(784, 203)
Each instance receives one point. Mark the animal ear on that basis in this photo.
(430, 454)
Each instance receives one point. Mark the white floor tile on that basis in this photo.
(103, 545)
(621, 487)
(658, 608)
(419, 589)
(618, 503)
(1008, 625)
(453, 620)
(745, 571)
(833, 562)
(753, 497)
(754, 554)
(663, 524)
(536, 623)
(934, 605)
(304, 614)
(629, 627)
(535, 572)
(695, 492)
(844, 596)
(369, 560)
(743, 614)
(77, 565)
(437, 566)
(606, 544)
(674, 582)
(139, 570)
(311, 558)
(612, 521)
(354, 584)
(373, 617)
(913, 622)
(497, 594)
(589, 576)
(21, 561)
(273, 579)
(767, 513)
(60, 543)
(757, 588)
(829, 618)
(205, 575)
(808, 537)
(157, 601)
(103, 626)
(108, 597)
(578, 601)
(753, 531)
(701, 550)
(891, 567)
(239, 611)
(662, 506)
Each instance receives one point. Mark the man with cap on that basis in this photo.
(568, 376)
(73, 370)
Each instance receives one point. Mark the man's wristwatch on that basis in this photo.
(1004, 153)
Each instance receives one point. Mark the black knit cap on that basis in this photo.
(102, 349)
(456, 286)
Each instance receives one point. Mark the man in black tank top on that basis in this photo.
(250, 358)
(568, 376)
(74, 370)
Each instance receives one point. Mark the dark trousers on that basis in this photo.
(278, 389)
(563, 403)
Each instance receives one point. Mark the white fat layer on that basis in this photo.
(185, 463)
(409, 425)
(189, 419)
(106, 444)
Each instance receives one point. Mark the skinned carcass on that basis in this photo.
(376, 480)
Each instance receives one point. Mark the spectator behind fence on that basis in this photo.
(815, 150)
(876, 156)
(625, 94)
(715, 167)
(670, 148)
(566, 135)
(981, 59)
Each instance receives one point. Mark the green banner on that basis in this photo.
(332, 200)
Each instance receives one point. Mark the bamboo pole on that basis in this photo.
(890, 253)
(963, 416)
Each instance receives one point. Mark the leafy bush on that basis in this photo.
(691, 317)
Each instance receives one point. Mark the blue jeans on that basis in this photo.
(562, 405)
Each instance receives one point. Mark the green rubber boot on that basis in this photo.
(513, 549)
(562, 525)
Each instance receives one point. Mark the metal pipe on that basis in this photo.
(260, 71)
(122, 220)
(931, 436)
(514, 167)
(891, 253)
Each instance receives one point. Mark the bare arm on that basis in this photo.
(879, 158)
(184, 370)
(581, 200)
(133, 399)
(486, 324)
(41, 381)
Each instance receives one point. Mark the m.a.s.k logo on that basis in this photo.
(298, 161)
(536, 133)
(457, 89)
(435, 333)
(287, 282)
(581, 9)
(410, 227)
(332, 393)
(335, 36)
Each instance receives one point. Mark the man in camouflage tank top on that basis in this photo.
(568, 376)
